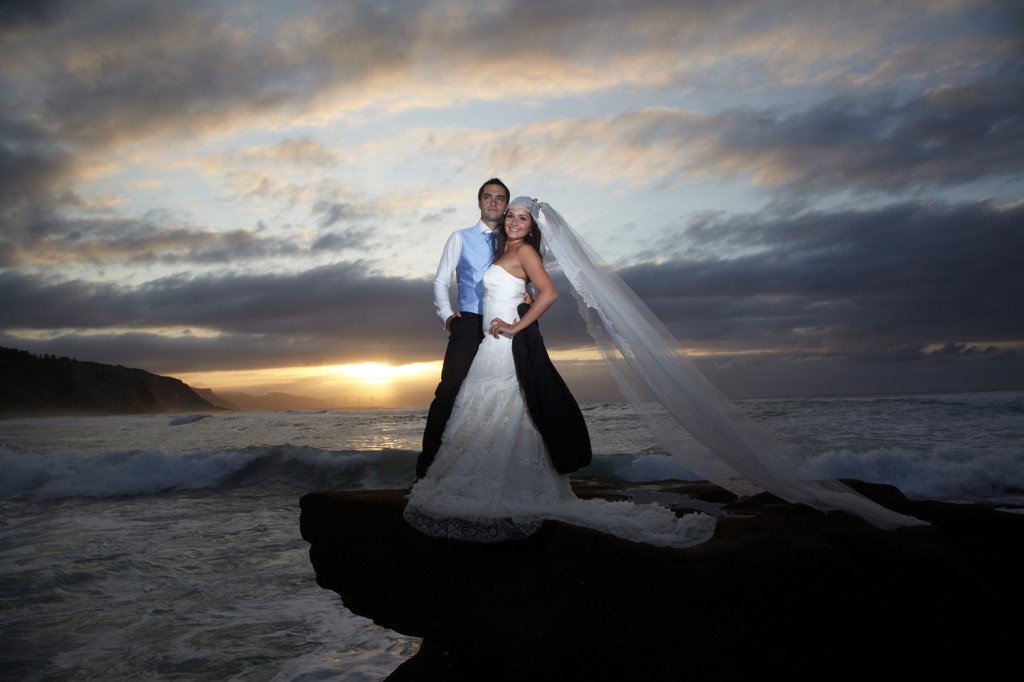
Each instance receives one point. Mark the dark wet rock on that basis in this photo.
(782, 592)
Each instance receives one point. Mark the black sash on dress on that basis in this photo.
(554, 410)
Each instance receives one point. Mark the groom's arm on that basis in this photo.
(443, 278)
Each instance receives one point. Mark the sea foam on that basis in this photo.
(145, 472)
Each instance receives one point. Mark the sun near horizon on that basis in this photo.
(358, 384)
(367, 383)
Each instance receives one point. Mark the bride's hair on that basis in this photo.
(532, 238)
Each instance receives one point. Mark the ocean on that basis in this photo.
(167, 547)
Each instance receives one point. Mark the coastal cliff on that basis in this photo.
(31, 386)
(782, 592)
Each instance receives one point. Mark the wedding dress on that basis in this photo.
(492, 479)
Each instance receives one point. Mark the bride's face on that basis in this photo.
(517, 223)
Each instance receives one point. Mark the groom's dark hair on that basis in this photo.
(492, 181)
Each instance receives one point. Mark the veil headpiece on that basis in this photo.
(691, 418)
(529, 204)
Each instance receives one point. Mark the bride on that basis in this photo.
(493, 479)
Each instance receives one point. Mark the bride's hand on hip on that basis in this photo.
(499, 327)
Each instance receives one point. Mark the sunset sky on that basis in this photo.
(815, 197)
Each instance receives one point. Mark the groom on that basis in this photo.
(468, 253)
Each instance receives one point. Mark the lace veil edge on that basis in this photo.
(688, 415)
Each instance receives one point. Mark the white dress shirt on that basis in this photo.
(446, 268)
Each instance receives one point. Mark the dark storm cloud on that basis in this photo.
(120, 71)
(882, 285)
(331, 213)
(868, 143)
(28, 15)
(159, 67)
(313, 301)
(48, 238)
(941, 137)
(146, 68)
(864, 143)
(917, 370)
(352, 238)
(31, 164)
(341, 311)
(185, 352)
(908, 274)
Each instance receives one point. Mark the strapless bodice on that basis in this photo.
(503, 292)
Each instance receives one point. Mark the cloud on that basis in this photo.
(340, 312)
(917, 370)
(850, 284)
(331, 213)
(866, 145)
(32, 165)
(311, 300)
(352, 238)
(939, 138)
(51, 239)
(99, 73)
(119, 71)
(909, 273)
(202, 166)
(23, 17)
(444, 215)
(872, 143)
(296, 151)
(99, 76)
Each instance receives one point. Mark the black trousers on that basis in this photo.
(466, 333)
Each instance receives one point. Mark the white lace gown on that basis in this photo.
(492, 479)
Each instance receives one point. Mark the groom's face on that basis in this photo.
(493, 202)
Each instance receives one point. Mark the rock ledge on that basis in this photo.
(781, 592)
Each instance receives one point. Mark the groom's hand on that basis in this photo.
(448, 322)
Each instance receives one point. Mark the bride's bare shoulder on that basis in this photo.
(525, 250)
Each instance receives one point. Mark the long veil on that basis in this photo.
(687, 413)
